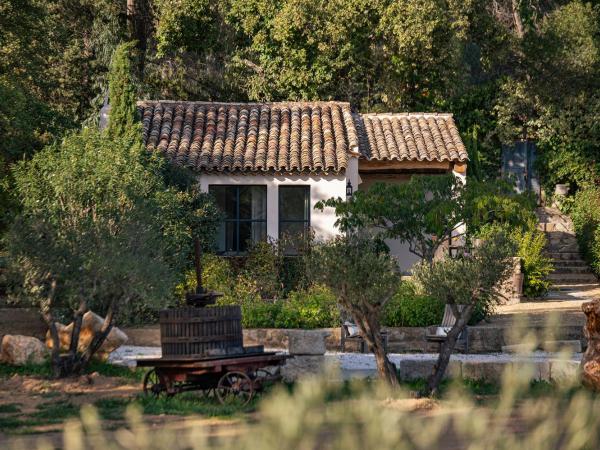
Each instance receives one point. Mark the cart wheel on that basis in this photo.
(152, 384)
(235, 388)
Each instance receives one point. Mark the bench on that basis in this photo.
(448, 322)
(350, 332)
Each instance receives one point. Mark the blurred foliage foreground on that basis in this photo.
(316, 415)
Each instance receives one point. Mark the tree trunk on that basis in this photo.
(97, 341)
(136, 23)
(77, 320)
(515, 6)
(371, 332)
(447, 348)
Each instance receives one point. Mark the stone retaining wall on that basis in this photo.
(482, 339)
(23, 321)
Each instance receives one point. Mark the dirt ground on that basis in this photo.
(27, 398)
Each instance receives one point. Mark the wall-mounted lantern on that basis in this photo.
(349, 189)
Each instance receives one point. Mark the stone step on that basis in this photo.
(559, 278)
(570, 248)
(572, 269)
(570, 287)
(564, 256)
(559, 241)
(569, 263)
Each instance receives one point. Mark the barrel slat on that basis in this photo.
(199, 332)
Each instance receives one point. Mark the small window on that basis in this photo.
(245, 211)
(294, 211)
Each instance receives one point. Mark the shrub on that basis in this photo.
(315, 307)
(536, 266)
(585, 213)
(312, 308)
(408, 308)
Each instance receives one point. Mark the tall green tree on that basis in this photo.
(123, 116)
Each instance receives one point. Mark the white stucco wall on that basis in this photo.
(406, 259)
(322, 187)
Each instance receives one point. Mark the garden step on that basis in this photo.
(572, 277)
(564, 255)
(572, 269)
(570, 248)
(573, 286)
(569, 263)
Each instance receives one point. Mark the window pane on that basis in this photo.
(225, 197)
(231, 244)
(251, 232)
(294, 202)
(253, 202)
(292, 230)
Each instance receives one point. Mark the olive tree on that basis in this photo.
(92, 234)
(363, 277)
(429, 210)
(473, 279)
(101, 227)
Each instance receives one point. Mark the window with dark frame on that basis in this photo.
(294, 211)
(245, 221)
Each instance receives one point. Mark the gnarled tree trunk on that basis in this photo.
(370, 329)
(447, 347)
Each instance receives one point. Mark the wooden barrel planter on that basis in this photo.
(201, 332)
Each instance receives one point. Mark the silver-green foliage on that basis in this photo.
(473, 278)
(95, 217)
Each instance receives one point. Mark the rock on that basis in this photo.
(89, 326)
(19, 350)
(421, 369)
(303, 366)
(590, 363)
(307, 342)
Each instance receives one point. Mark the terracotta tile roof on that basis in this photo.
(291, 136)
(280, 137)
(409, 137)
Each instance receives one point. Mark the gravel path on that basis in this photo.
(126, 355)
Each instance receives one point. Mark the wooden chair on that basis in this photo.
(448, 322)
(348, 333)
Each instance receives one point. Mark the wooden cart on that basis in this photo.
(231, 379)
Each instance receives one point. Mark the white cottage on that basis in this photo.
(268, 164)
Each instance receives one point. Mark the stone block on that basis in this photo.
(23, 322)
(302, 366)
(483, 370)
(271, 338)
(143, 336)
(570, 346)
(565, 372)
(19, 350)
(486, 339)
(419, 369)
(307, 342)
(493, 371)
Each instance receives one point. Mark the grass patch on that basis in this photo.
(19, 423)
(112, 408)
(45, 370)
(10, 408)
(111, 370)
(38, 370)
(188, 404)
(58, 410)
